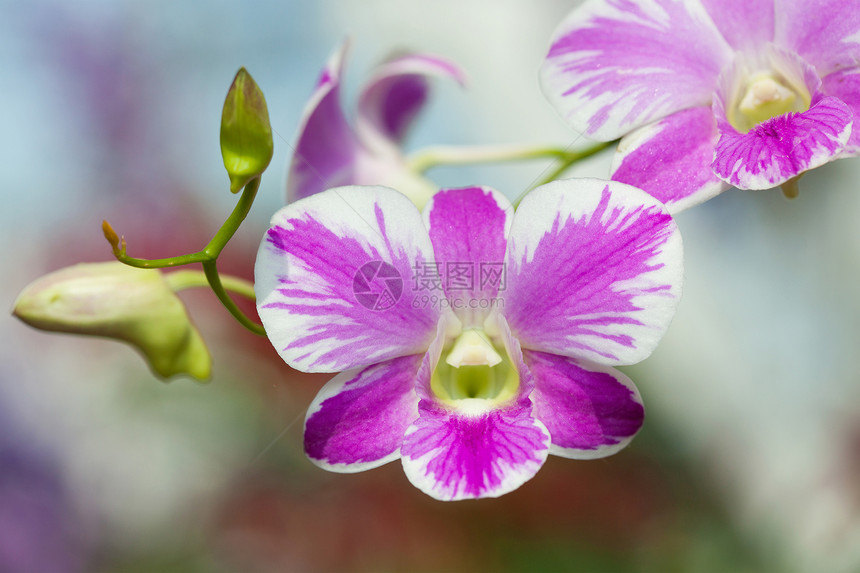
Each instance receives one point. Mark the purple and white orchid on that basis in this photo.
(328, 153)
(710, 93)
(502, 351)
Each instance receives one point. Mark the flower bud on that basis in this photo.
(246, 135)
(117, 301)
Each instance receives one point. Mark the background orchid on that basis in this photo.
(710, 93)
(472, 400)
(329, 153)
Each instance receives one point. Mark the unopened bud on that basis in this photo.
(124, 303)
(246, 135)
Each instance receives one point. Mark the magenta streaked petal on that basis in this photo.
(591, 411)
(396, 93)
(671, 159)
(825, 33)
(359, 418)
(325, 151)
(846, 87)
(594, 271)
(450, 456)
(745, 24)
(333, 277)
(783, 147)
(616, 65)
(469, 229)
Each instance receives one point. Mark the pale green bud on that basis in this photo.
(246, 135)
(124, 303)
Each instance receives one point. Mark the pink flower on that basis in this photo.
(472, 341)
(710, 93)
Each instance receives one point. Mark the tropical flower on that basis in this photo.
(471, 342)
(328, 153)
(710, 93)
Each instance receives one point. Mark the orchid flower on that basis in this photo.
(328, 153)
(500, 348)
(710, 93)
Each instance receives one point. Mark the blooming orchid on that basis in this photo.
(328, 153)
(500, 348)
(710, 93)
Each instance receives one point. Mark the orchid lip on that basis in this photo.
(474, 374)
(766, 96)
(762, 86)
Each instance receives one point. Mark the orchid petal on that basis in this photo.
(594, 271)
(745, 24)
(846, 86)
(468, 228)
(358, 419)
(326, 149)
(783, 147)
(671, 159)
(331, 277)
(395, 94)
(590, 411)
(451, 456)
(616, 65)
(825, 33)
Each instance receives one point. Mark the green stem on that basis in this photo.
(228, 229)
(207, 257)
(211, 271)
(212, 249)
(569, 159)
(181, 280)
(430, 157)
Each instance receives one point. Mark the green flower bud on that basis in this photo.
(124, 303)
(246, 135)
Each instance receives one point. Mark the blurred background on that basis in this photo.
(749, 460)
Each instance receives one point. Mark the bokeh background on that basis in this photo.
(749, 460)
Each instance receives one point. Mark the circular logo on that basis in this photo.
(377, 285)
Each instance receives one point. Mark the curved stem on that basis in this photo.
(120, 255)
(181, 280)
(209, 253)
(430, 157)
(570, 158)
(228, 229)
(207, 257)
(211, 271)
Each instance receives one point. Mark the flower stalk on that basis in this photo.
(181, 280)
(568, 159)
(206, 256)
(437, 156)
